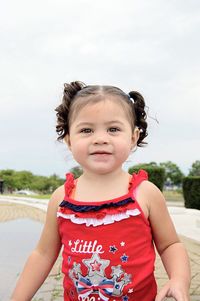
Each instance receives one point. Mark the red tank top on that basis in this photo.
(108, 252)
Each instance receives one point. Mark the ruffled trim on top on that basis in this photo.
(69, 184)
(118, 208)
(86, 208)
(106, 220)
(138, 178)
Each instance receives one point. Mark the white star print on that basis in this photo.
(122, 243)
(117, 271)
(89, 263)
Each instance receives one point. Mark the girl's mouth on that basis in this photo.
(100, 153)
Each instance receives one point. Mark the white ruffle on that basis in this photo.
(108, 219)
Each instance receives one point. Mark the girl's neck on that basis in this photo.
(102, 178)
(101, 186)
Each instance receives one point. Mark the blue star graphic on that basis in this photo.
(125, 298)
(124, 258)
(113, 249)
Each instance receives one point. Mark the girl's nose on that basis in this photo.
(101, 139)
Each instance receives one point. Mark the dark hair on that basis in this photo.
(133, 103)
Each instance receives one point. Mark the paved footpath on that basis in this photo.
(187, 222)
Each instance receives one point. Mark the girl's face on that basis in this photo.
(101, 137)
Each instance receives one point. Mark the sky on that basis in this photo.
(149, 46)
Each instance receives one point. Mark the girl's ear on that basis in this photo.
(67, 141)
(135, 137)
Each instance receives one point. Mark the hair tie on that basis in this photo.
(130, 98)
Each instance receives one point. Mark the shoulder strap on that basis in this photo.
(69, 184)
(137, 179)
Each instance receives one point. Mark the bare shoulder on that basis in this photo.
(57, 197)
(58, 193)
(150, 189)
(55, 200)
(149, 196)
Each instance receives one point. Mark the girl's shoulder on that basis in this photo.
(59, 192)
(150, 192)
(149, 188)
(149, 196)
(57, 197)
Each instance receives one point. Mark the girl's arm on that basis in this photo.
(176, 264)
(43, 257)
(169, 247)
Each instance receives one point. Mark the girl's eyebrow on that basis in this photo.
(91, 123)
(114, 121)
(84, 124)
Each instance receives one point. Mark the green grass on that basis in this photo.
(42, 196)
(173, 196)
(37, 196)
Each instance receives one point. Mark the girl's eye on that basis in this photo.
(113, 129)
(86, 130)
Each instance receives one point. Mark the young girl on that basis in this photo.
(106, 220)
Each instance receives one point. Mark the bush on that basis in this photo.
(191, 192)
(76, 171)
(156, 174)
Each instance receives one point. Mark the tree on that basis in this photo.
(17, 180)
(195, 169)
(40, 184)
(156, 174)
(172, 173)
(8, 177)
(77, 171)
(46, 184)
(144, 165)
(23, 179)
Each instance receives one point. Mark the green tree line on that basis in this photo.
(17, 180)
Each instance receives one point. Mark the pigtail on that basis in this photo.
(138, 105)
(69, 93)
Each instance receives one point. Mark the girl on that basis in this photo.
(107, 221)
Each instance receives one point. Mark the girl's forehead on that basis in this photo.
(102, 112)
(101, 108)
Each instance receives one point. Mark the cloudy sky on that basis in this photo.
(152, 46)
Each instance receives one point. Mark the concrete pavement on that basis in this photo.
(186, 221)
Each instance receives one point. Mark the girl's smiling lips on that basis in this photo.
(100, 152)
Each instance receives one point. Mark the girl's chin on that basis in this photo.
(100, 170)
(101, 157)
